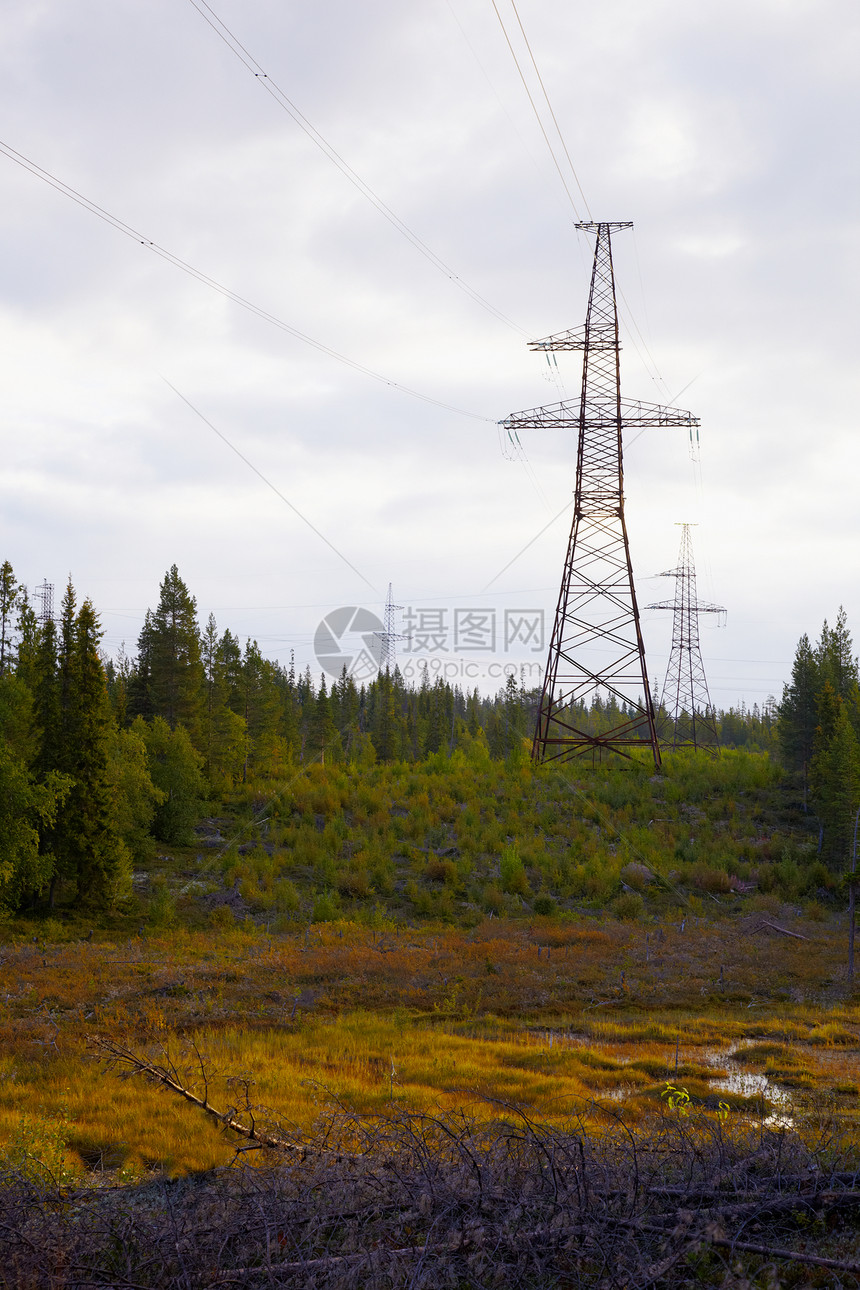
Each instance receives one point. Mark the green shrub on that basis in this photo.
(493, 900)
(512, 873)
(221, 917)
(326, 907)
(545, 905)
(714, 881)
(162, 904)
(355, 884)
(629, 906)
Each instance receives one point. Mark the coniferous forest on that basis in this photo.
(106, 760)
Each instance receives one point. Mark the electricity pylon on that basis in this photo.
(596, 674)
(45, 593)
(685, 691)
(388, 636)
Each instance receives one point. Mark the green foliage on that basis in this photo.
(326, 907)
(176, 771)
(834, 783)
(629, 906)
(88, 850)
(135, 797)
(10, 594)
(17, 717)
(677, 1099)
(162, 904)
(545, 905)
(411, 796)
(38, 1150)
(26, 808)
(512, 873)
(169, 678)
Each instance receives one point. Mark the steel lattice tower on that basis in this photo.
(685, 690)
(596, 651)
(388, 636)
(45, 592)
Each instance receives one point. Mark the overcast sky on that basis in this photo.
(726, 131)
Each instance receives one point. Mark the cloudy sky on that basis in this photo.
(726, 131)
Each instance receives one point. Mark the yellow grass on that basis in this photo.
(537, 1016)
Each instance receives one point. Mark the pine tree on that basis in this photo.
(139, 690)
(29, 629)
(45, 688)
(118, 672)
(229, 660)
(290, 718)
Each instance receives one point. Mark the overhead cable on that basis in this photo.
(537, 114)
(248, 61)
(634, 327)
(549, 105)
(214, 285)
(340, 555)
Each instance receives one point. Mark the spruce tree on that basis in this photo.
(835, 657)
(176, 678)
(29, 629)
(223, 733)
(9, 594)
(261, 709)
(798, 713)
(84, 840)
(323, 740)
(834, 782)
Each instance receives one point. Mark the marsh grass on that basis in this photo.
(550, 1014)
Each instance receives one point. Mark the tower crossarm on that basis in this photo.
(597, 413)
(575, 339)
(700, 607)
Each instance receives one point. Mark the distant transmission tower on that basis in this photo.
(45, 592)
(685, 690)
(596, 674)
(388, 636)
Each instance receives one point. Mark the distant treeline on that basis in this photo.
(100, 757)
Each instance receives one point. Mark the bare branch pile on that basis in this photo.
(413, 1199)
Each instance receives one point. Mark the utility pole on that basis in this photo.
(596, 697)
(685, 690)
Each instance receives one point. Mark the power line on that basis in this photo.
(268, 483)
(537, 114)
(633, 325)
(551, 112)
(250, 63)
(214, 285)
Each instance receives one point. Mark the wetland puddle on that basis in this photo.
(725, 1061)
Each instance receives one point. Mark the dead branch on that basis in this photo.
(794, 1256)
(168, 1075)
